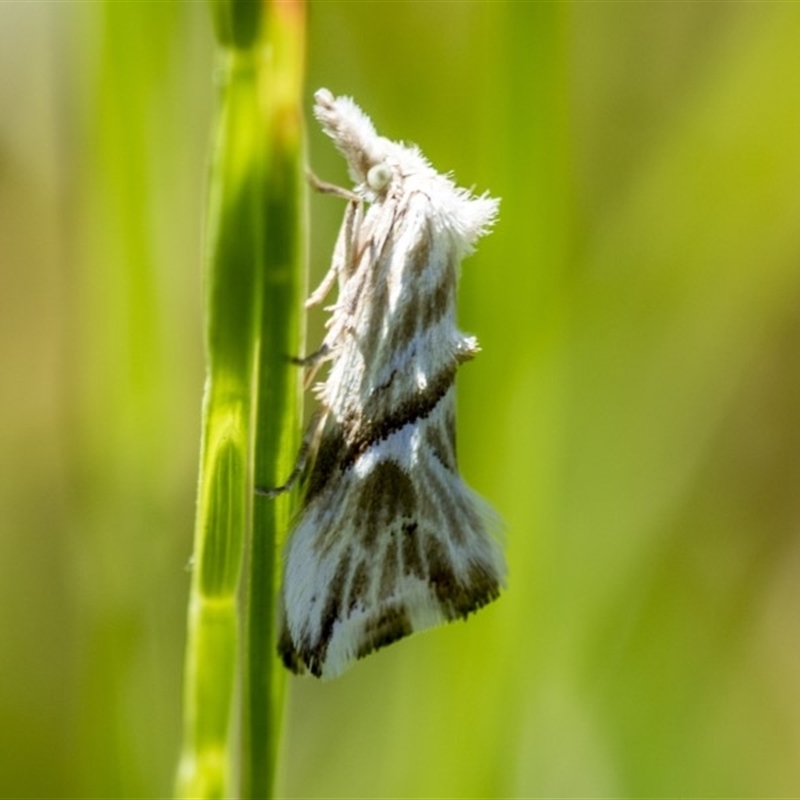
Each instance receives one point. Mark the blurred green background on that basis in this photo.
(633, 417)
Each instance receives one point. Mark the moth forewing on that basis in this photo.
(389, 540)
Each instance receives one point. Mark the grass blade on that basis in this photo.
(278, 409)
(235, 223)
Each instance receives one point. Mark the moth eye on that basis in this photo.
(379, 176)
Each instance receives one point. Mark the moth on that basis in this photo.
(388, 540)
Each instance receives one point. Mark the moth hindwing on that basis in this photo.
(389, 540)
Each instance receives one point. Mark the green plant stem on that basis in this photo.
(235, 221)
(255, 283)
(279, 391)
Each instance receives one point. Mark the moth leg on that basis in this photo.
(275, 491)
(323, 187)
(319, 294)
(313, 361)
(341, 263)
(300, 463)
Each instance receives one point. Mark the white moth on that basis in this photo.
(389, 540)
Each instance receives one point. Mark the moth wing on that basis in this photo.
(396, 551)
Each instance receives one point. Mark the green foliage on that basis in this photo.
(235, 260)
(255, 264)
